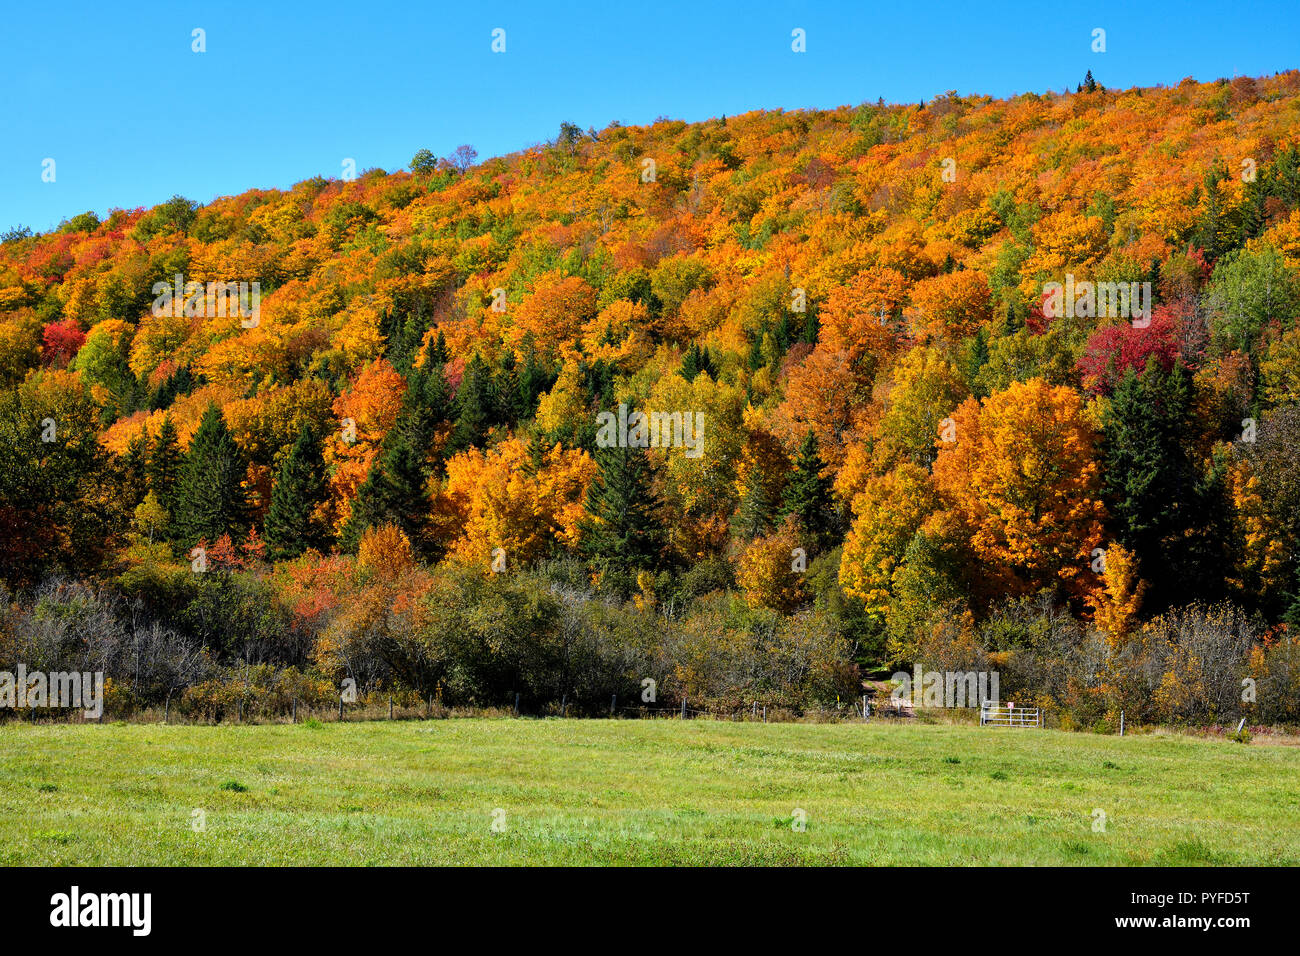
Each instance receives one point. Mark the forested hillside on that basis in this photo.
(925, 430)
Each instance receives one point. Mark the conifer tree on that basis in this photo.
(622, 534)
(164, 465)
(300, 488)
(697, 360)
(810, 326)
(437, 353)
(506, 393)
(808, 496)
(475, 405)
(533, 380)
(1154, 490)
(209, 497)
(755, 515)
(135, 466)
(393, 493)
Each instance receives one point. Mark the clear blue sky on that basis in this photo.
(287, 90)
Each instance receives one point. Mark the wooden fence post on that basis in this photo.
(765, 713)
(683, 708)
(390, 708)
(340, 706)
(564, 705)
(293, 712)
(516, 704)
(613, 704)
(1121, 723)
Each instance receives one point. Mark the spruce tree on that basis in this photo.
(697, 360)
(977, 356)
(756, 360)
(622, 534)
(1152, 483)
(300, 488)
(392, 492)
(533, 381)
(755, 515)
(808, 497)
(135, 467)
(691, 363)
(437, 353)
(810, 326)
(475, 405)
(164, 466)
(209, 499)
(506, 392)
(426, 405)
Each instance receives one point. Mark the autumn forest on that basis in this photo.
(761, 409)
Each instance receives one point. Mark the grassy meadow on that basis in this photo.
(637, 792)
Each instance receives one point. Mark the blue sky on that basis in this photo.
(289, 90)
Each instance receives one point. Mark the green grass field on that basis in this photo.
(637, 792)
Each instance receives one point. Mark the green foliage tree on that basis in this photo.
(423, 163)
(1248, 290)
(622, 532)
(292, 523)
(1157, 498)
(164, 467)
(754, 517)
(808, 497)
(209, 497)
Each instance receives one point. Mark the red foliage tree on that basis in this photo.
(60, 342)
(1113, 350)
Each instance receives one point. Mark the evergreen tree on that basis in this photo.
(300, 488)
(475, 405)
(437, 353)
(395, 489)
(209, 498)
(755, 515)
(621, 533)
(691, 363)
(756, 360)
(507, 393)
(784, 332)
(697, 360)
(1209, 231)
(164, 466)
(426, 405)
(977, 356)
(810, 326)
(392, 492)
(1154, 493)
(533, 381)
(135, 468)
(808, 497)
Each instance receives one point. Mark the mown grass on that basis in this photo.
(637, 792)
